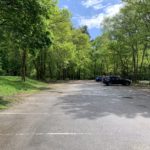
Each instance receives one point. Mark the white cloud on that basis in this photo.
(95, 21)
(65, 7)
(96, 4)
(113, 9)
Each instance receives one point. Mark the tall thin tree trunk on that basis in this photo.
(143, 56)
(23, 69)
(94, 68)
(134, 55)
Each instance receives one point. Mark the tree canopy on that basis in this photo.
(38, 40)
(125, 42)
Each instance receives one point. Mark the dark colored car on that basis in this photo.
(116, 80)
(98, 79)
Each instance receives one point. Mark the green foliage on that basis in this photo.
(38, 40)
(127, 46)
(24, 21)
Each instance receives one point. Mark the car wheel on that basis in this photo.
(107, 84)
(128, 83)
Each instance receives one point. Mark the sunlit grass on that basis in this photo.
(10, 86)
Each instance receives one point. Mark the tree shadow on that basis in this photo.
(101, 101)
(19, 85)
(3, 103)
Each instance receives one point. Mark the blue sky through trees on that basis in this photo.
(91, 12)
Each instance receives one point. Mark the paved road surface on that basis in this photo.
(79, 116)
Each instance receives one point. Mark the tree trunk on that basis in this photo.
(94, 68)
(143, 56)
(23, 69)
(135, 69)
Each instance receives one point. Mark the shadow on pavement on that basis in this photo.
(93, 101)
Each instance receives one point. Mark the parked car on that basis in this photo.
(116, 80)
(98, 79)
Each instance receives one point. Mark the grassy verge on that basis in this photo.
(11, 86)
(143, 83)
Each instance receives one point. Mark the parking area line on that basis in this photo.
(24, 113)
(42, 134)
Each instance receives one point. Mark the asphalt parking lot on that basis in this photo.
(79, 115)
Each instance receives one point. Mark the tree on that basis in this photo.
(129, 32)
(22, 23)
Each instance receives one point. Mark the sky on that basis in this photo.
(91, 12)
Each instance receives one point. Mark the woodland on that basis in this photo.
(38, 40)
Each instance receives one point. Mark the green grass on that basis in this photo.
(11, 86)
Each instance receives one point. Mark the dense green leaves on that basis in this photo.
(38, 40)
(128, 42)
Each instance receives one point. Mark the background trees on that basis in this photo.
(22, 24)
(37, 39)
(128, 41)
